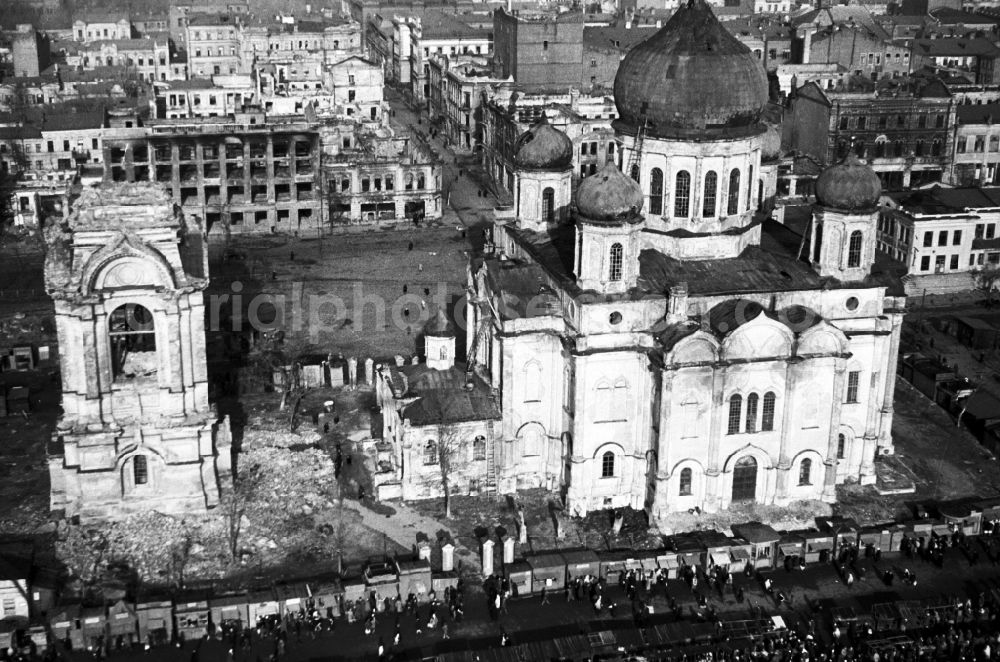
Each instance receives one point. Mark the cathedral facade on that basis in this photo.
(660, 344)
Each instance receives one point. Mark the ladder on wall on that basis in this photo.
(635, 156)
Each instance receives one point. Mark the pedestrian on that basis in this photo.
(381, 648)
(850, 579)
(545, 596)
(444, 631)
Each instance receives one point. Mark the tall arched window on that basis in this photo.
(479, 448)
(735, 407)
(818, 247)
(733, 206)
(750, 187)
(805, 469)
(841, 446)
(711, 190)
(685, 482)
(430, 452)
(752, 401)
(854, 249)
(443, 354)
(656, 191)
(608, 465)
(140, 470)
(767, 415)
(615, 262)
(682, 194)
(131, 332)
(548, 205)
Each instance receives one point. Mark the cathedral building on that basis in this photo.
(658, 343)
(127, 274)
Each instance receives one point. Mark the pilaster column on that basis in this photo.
(713, 474)
(787, 422)
(830, 477)
(889, 386)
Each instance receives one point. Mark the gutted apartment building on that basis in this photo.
(258, 173)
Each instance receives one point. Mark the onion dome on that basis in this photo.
(850, 185)
(608, 196)
(771, 147)
(543, 147)
(439, 326)
(690, 79)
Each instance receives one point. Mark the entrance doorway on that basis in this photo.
(745, 479)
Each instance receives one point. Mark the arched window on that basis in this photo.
(711, 190)
(443, 353)
(615, 262)
(805, 468)
(133, 337)
(140, 470)
(752, 401)
(854, 249)
(735, 406)
(818, 248)
(767, 416)
(635, 173)
(608, 465)
(682, 194)
(479, 448)
(685, 482)
(841, 446)
(619, 401)
(750, 187)
(656, 191)
(548, 205)
(430, 452)
(733, 206)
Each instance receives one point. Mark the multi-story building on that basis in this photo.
(976, 56)
(417, 38)
(543, 51)
(262, 174)
(31, 51)
(767, 37)
(59, 140)
(905, 133)
(147, 58)
(457, 87)
(93, 26)
(865, 50)
(213, 44)
(943, 236)
(976, 160)
(376, 179)
(585, 120)
(216, 96)
(604, 46)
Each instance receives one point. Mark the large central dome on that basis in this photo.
(691, 79)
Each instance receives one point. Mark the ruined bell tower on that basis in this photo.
(127, 274)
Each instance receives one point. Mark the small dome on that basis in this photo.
(439, 326)
(543, 147)
(691, 78)
(850, 185)
(608, 196)
(771, 148)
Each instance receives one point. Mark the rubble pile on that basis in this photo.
(288, 517)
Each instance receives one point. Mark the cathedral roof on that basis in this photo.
(691, 78)
(609, 197)
(849, 185)
(543, 147)
(774, 266)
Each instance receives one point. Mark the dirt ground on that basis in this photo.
(346, 293)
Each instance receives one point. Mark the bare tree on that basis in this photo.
(987, 279)
(450, 448)
(245, 485)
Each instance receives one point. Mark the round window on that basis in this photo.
(852, 303)
(615, 318)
